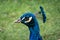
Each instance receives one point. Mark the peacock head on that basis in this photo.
(27, 19)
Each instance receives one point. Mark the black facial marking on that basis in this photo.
(26, 18)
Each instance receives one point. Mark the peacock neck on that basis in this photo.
(34, 32)
(34, 28)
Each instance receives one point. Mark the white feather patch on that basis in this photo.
(30, 18)
(23, 18)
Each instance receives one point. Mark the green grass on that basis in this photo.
(11, 10)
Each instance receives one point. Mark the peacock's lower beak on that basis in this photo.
(18, 21)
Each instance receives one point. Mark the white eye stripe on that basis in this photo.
(23, 18)
(30, 18)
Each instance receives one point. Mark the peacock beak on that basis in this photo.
(18, 21)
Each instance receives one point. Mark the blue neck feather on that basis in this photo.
(34, 31)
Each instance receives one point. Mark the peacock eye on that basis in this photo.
(26, 19)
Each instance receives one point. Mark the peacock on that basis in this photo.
(29, 19)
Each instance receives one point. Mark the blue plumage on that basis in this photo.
(33, 27)
(30, 20)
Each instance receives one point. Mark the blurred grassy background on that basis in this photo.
(10, 10)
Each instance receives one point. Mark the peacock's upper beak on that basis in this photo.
(18, 21)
